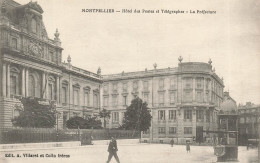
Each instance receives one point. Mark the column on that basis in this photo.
(204, 90)
(194, 121)
(46, 86)
(26, 82)
(58, 89)
(4, 80)
(23, 82)
(43, 85)
(100, 97)
(8, 81)
(193, 89)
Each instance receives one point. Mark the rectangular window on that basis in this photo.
(199, 96)
(161, 130)
(86, 98)
(135, 86)
(145, 85)
(161, 114)
(187, 114)
(161, 99)
(95, 100)
(188, 83)
(114, 87)
(115, 117)
(13, 85)
(105, 90)
(50, 92)
(187, 130)
(187, 96)
(114, 100)
(125, 100)
(64, 95)
(207, 84)
(14, 43)
(199, 83)
(76, 97)
(172, 130)
(242, 120)
(105, 101)
(172, 97)
(207, 115)
(52, 57)
(200, 114)
(173, 83)
(161, 84)
(124, 87)
(172, 114)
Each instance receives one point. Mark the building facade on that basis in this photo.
(249, 115)
(31, 66)
(183, 100)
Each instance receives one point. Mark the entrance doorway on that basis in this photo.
(199, 134)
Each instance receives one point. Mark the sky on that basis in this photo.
(130, 42)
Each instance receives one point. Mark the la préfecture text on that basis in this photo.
(148, 11)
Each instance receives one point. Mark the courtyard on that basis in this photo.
(134, 153)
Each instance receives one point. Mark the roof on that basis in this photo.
(228, 106)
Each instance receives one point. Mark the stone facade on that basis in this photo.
(31, 67)
(183, 100)
(249, 115)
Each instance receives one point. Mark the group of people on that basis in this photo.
(112, 149)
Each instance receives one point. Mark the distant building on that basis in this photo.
(184, 100)
(249, 115)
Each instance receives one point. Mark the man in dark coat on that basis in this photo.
(112, 149)
(172, 141)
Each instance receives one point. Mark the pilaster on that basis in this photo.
(193, 89)
(26, 82)
(194, 121)
(43, 85)
(8, 80)
(58, 89)
(23, 82)
(4, 80)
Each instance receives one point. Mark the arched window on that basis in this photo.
(34, 26)
(14, 81)
(31, 86)
(14, 43)
(51, 87)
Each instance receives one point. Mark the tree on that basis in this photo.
(137, 116)
(79, 122)
(35, 114)
(104, 114)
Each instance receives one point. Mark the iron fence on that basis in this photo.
(38, 135)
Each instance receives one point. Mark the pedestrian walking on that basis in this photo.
(172, 142)
(188, 146)
(112, 149)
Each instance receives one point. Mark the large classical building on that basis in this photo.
(183, 99)
(31, 66)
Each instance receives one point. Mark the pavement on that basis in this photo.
(134, 153)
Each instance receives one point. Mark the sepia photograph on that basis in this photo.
(130, 81)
